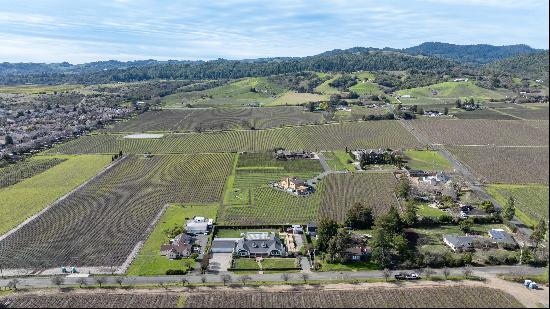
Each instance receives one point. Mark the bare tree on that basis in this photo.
(304, 277)
(82, 281)
(244, 279)
(386, 273)
(100, 281)
(467, 271)
(203, 279)
(446, 272)
(285, 277)
(226, 279)
(58, 280)
(13, 284)
(429, 272)
(119, 280)
(183, 281)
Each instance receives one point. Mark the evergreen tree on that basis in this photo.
(359, 217)
(327, 229)
(510, 208)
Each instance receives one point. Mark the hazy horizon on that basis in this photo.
(39, 31)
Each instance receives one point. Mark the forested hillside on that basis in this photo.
(531, 66)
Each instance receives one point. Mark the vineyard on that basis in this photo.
(249, 200)
(484, 132)
(190, 120)
(519, 165)
(524, 111)
(341, 191)
(15, 173)
(434, 297)
(531, 200)
(373, 134)
(99, 224)
(93, 300)
(29, 196)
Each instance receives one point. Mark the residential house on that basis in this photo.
(199, 225)
(291, 155)
(461, 243)
(224, 245)
(179, 247)
(436, 179)
(358, 253)
(311, 230)
(295, 185)
(502, 239)
(262, 244)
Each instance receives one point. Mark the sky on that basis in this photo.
(82, 31)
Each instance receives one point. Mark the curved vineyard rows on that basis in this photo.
(341, 191)
(100, 224)
(433, 297)
(373, 134)
(217, 119)
(13, 174)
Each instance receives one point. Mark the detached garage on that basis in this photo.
(223, 245)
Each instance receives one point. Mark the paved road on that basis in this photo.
(460, 168)
(42, 282)
(323, 161)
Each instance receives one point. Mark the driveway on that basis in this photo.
(220, 262)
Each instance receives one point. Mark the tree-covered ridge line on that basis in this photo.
(432, 57)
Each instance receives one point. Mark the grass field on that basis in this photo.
(148, 262)
(353, 266)
(245, 263)
(449, 92)
(325, 88)
(356, 135)
(427, 160)
(25, 198)
(295, 98)
(427, 211)
(531, 200)
(366, 88)
(14, 173)
(38, 89)
(341, 191)
(252, 90)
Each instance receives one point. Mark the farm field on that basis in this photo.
(199, 119)
(148, 262)
(449, 92)
(512, 165)
(341, 191)
(524, 111)
(484, 132)
(531, 200)
(29, 196)
(481, 114)
(296, 98)
(38, 89)
(427, 160)
(94, 300)
(366, 88)
(99, 224)
(368, 134)
(439, 297)
(249, 199)
(237, 93)
(12, 174)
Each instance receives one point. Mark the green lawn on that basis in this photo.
(427, 160)
(427, 211)
(246, 263)
(353, 266)
(236, 233)
(325, 88)
(366, 88)
(275, 263)
(24, 199)
(344, 157)
(334, 162)
(295, 98)
(149, 262)
(531, 200)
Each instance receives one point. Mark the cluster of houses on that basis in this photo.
(496, 238)
(40, 126)
(182, 246)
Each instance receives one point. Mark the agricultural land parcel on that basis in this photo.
(99, 224)
(439, 297)
(29, 196)
(356, 135)
(531, 200)
(188, 120)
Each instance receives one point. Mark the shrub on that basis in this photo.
(176, 272)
